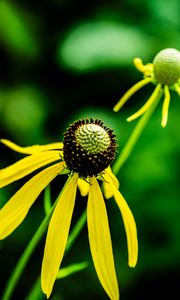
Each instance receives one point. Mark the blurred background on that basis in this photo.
(61, 60)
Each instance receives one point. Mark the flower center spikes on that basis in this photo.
(92, 138)
(89, 147)
(167, 66)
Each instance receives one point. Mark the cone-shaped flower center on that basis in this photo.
(89, 147)
(93, 138)
(167, 66)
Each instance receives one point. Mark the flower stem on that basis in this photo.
(35, 292)
(21, 264)
(121, 159)
(76, 230)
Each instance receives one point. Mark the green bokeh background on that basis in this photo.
(61, 60)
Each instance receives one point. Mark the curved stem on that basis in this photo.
(121, 159)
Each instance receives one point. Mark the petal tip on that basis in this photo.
(128, 119)
(47, 294)
(115, 109)
(3, 141)
(132, 264)
(163, 125)
(45, 289)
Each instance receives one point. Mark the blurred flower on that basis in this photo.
(164, 72)
(86, 153)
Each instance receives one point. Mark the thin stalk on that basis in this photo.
(76, 231)
(36, 292)
(121, 159)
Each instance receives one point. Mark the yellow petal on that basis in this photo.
(32, 149)
(57, 235)
(165, 107)
(108, 191)
(138, 64)
(177, 88)
(147, 69)
(130, 228)
(100, 240)
(130, 92)
(147, 105)
(27, 165)
(15, 210)
(83, 187)
(129, 224)
(112, 176)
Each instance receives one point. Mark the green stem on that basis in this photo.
(121, 159)
(35, 292)
(21, 264)
(47, 200)
(76, 230)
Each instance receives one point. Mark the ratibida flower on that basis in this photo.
(164, 72)
(85, 155)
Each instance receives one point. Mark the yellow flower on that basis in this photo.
(85, 154)
(164, 72)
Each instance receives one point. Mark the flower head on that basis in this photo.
(164, 72)
(88, 149)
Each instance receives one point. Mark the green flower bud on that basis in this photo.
(167, 66)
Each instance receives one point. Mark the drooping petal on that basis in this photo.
(27, 165)
(15, 210)
(108, 191)
(165, 107)
(130, 92)
(130, 227)
(100, 240)
(112, 176)
(83, 187)
(57, 235)
(147, 105)
(32, 149)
